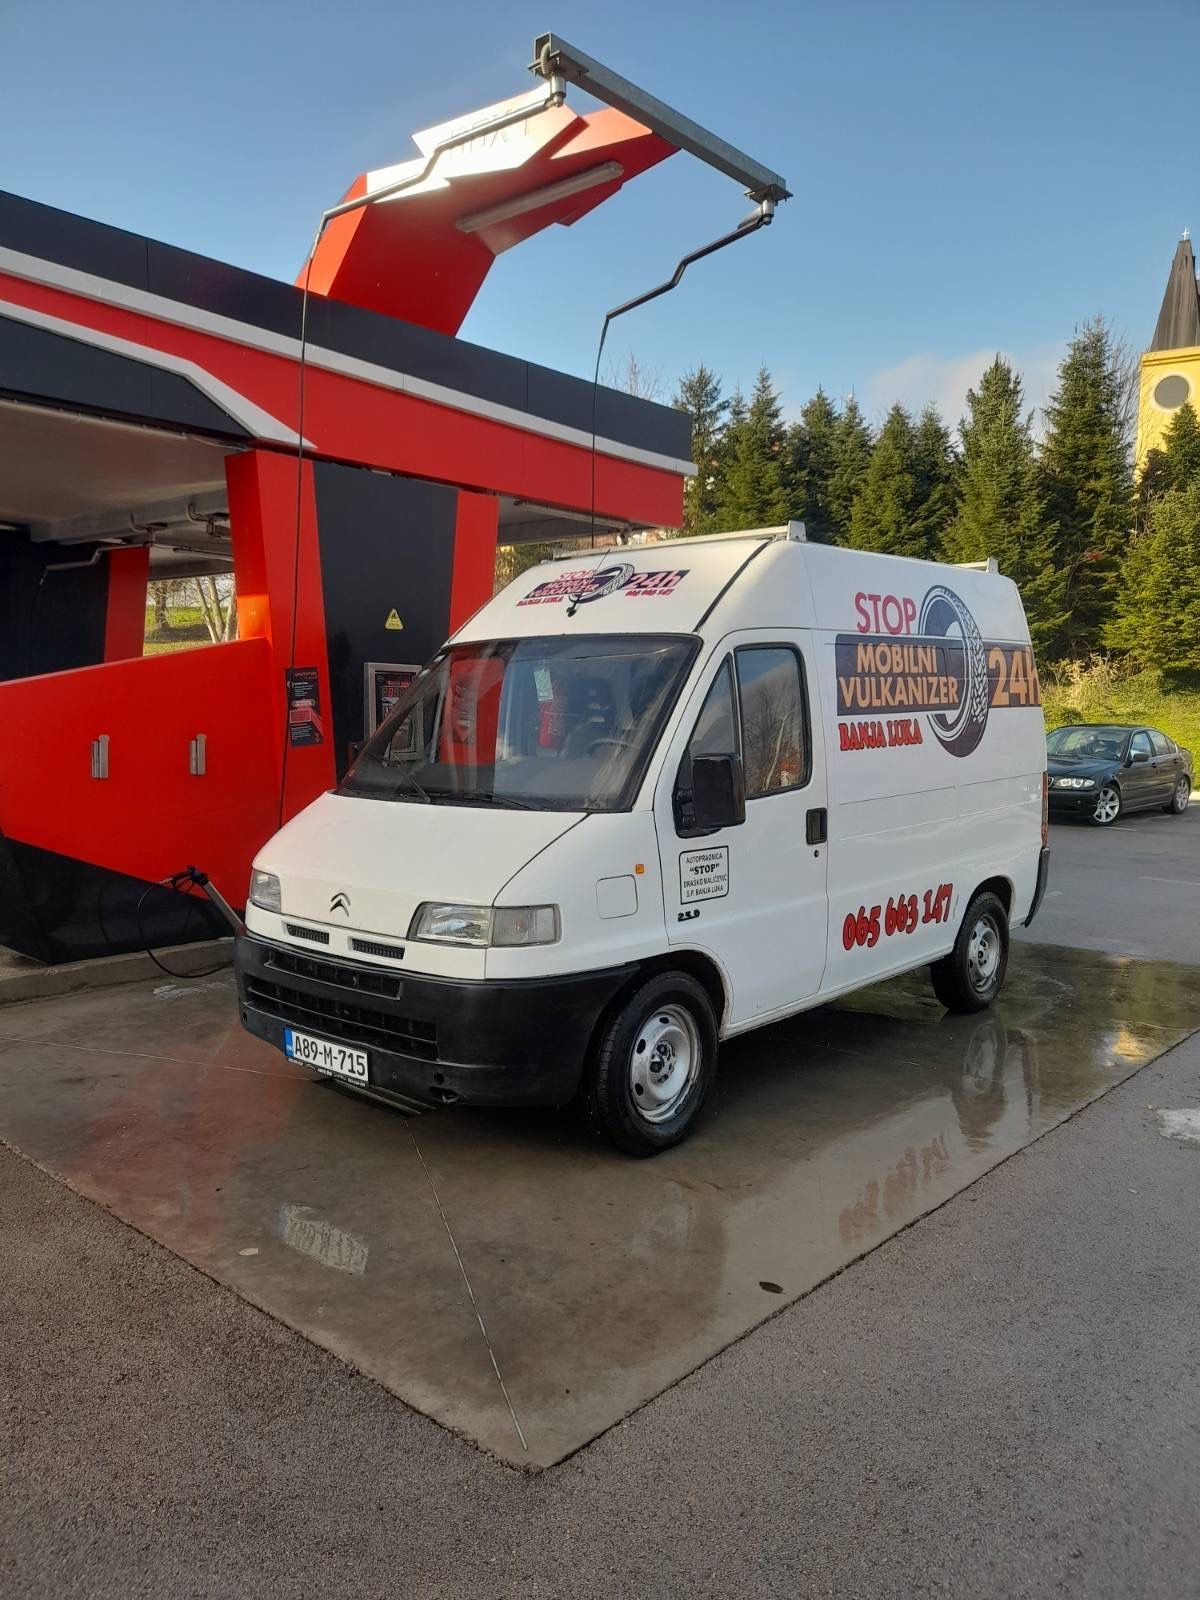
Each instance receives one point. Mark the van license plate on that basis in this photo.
(339, 1060)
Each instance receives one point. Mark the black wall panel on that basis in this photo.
(40, 365)
(385, 543)
(56, 908)
(50, 624)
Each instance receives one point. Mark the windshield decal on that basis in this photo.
(929, 658)
(590, 583)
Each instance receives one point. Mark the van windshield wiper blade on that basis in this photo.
(487, 797)
(421, 794)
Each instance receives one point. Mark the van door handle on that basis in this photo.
(816, 825)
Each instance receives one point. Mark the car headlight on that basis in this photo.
(484, 925)
(265, 891)
(1075, 783)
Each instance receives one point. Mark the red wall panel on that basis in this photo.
(474, 575)
(125, 622)
(150, 817)
(269, 567)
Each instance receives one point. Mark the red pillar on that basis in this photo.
(125, 620)
(474, 574)
(270, 565)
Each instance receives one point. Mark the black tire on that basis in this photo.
(627, 1092)
(959, 981)
(1110, 816)
(1178, 803)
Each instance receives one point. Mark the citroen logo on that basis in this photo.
(340, 902)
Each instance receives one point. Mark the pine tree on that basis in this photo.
(811, 461)
(886, 511)
(935, 471)
(1086, 483)
(1158, 609)
(1175, 464)
(699, 394)
(851, 455)
(1000, 511)
(752, 494)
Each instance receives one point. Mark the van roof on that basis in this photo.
(753, 578)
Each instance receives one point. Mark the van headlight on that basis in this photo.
(485, 925)
(265, 892)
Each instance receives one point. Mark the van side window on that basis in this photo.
(715, 733)
(774, 719)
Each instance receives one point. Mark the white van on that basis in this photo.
(650, 800)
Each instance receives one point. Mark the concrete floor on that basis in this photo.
(523, 1287)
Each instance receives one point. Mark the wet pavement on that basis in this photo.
(598, 1281)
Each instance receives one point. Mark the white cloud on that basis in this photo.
(945, 380)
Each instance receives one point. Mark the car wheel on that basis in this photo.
(1108, 806)
(653, 1066)
(971, 976)
(1178, 802)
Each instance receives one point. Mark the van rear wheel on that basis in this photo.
(653, 1065)
(971, 976)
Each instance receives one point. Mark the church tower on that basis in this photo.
(1171, 366)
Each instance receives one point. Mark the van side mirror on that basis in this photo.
(718, 792)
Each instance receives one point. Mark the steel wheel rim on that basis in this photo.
(1182, 791)
(664, 1063)
(1108, 803)
(983, 953)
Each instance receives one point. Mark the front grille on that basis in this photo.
(368, 947)
(317, 935)
(343, 1019)
(363, 980)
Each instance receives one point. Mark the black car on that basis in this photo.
(1100, 771)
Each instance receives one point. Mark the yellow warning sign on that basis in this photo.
(393, 621)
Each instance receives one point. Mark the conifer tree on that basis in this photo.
(699, 394)
(1000, 512)
(1086, 484)
(851, 456)
(752, 493)
(1174, 464)
(935, 470)
(1158, 609)
(885, 513)
(811, 461)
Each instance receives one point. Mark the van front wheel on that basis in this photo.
(970, 977)
(653, 1066)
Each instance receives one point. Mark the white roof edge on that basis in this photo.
(793, 532)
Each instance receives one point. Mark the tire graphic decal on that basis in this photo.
(942, 611)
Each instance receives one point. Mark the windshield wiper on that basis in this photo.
(422, 794)
(485, 797)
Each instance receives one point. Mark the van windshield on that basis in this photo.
(558, 724)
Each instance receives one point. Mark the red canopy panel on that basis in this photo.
(423, 254)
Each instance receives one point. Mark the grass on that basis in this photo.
(1102, 690)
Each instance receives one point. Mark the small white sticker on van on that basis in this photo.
(704, 874)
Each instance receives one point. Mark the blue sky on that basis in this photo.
(969, 177)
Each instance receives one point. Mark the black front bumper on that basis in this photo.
(431, 1040)
(1071, 802)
